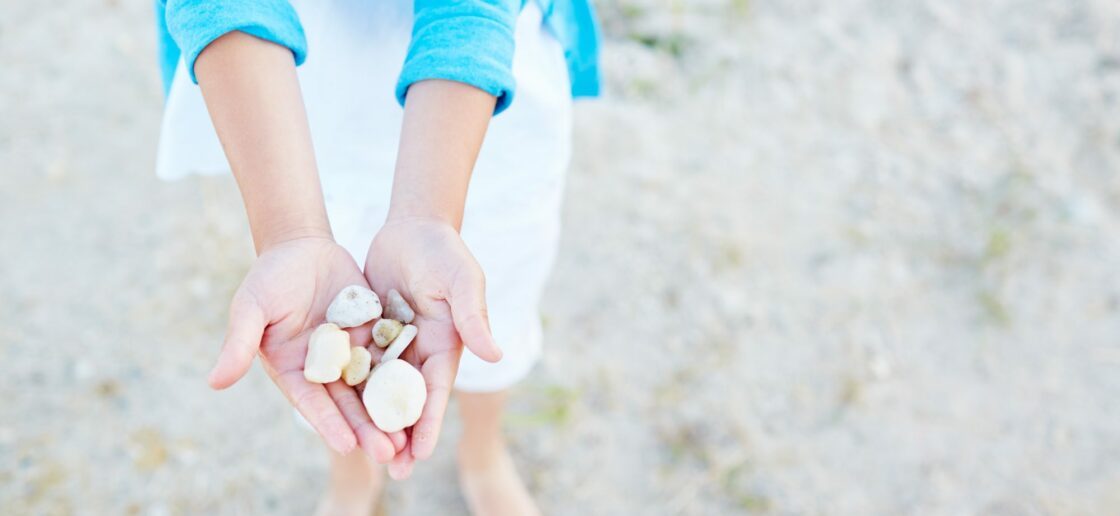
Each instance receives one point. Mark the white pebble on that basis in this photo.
(880, 367)
(357, 369)
(408, 333)
(354, 306)
(328, 351)
(395, 395)
(397, 308)
(385, 330)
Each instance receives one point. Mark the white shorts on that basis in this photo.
(512, 217)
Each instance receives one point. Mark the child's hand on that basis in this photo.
(427, 261)
(282, 299)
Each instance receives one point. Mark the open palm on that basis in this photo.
(428, 263)
(282, 299)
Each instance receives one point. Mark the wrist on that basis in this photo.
(419, 219)
(426, 211)
(278, 235)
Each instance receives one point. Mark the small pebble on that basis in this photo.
(397, 308)
(408, 333)
(357, 369)
(328, 351)
(385, 330)
(395, 395)
(354, 306)
(879, 367)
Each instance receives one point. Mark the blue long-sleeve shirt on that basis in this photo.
(469, 41)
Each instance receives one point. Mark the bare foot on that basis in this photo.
(490, 483)
(355, 487)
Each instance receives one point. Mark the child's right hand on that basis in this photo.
(282, 299)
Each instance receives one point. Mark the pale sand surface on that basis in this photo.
(856, 257)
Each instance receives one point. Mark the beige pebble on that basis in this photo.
(397, 308)
(328, 351)
(357, 369)
(354, 306)
(408, 333)
(395, 395)
(385, 330)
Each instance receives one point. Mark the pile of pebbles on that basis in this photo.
(393, 391)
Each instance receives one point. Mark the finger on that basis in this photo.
(316, 406)
(468, 310)
(439, 374)
(372, 440)
(243, 338)
(400, 439)
(401, 467)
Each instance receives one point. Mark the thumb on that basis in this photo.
(468, 311)
(243, 338)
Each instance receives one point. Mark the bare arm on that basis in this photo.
(419, 251)
(444, 125)
(252, 92)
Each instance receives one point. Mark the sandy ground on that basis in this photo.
(855, 257)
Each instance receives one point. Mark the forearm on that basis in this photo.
(444, 125)
(253, 96)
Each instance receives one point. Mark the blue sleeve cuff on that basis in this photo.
(168, 51)
(194, 24)
(468, 41)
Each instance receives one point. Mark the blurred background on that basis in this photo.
(821, 257)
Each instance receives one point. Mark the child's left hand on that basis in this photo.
(428, 263)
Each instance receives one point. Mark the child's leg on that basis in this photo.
(354, 488)
(488, 478)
